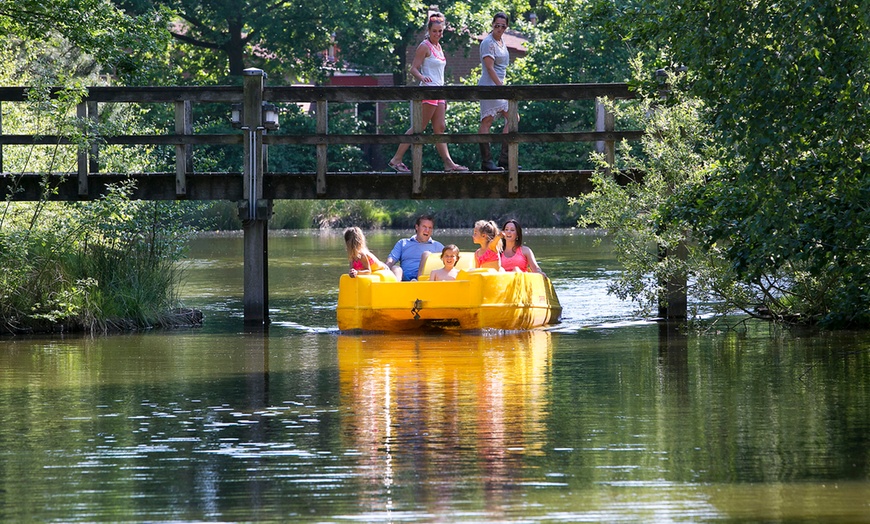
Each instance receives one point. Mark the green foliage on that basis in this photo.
(96, 266)
(676, 155)
(219, 37)
(99, 265)
(93, 27)
(786, 86)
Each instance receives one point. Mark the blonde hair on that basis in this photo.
(355, 242)
(488, 228)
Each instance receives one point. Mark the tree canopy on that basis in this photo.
(786, 87)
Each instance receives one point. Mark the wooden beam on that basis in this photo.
(183, 156)
(322, 129)
(277, 186)
(82, 157)
(417, 147)
(513, 147)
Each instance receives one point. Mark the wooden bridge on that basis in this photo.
(254, 187)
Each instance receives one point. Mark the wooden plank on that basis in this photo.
(183, 157)
(609, 145)
(275, 94)
(94, 117)
(470, 93)
(163, 140)
(416, 146)
(365, 186)
(513, 148)
(312, 140)
(82, 114)
(322, 129)
(455, 138)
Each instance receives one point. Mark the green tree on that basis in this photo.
(219, 37)
(786, 86)
(95, 27)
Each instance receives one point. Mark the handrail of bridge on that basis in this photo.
(184, 138)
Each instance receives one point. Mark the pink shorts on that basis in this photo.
(435, 102)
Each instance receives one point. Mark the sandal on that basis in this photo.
(400, 167)
(455, 169)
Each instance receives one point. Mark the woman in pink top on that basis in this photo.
(514, 255)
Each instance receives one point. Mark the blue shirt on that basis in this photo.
(407, 253)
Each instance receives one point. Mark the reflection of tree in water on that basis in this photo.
(448, 413)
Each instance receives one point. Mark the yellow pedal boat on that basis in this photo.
(477, 299)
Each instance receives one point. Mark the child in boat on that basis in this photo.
(488, 237)
(449, 256)
(362, 261)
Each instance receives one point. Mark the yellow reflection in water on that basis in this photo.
(462, 400)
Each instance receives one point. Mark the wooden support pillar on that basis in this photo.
(513, 148)
(674, 304)
(94, 118)
(605, 122)
(183, 156)
(253, 210)
(417, 148)
(82, 115)
(322, 128)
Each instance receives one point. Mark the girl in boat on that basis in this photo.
(449, 256)
(488, 237)
(515, 256)
(362, 261)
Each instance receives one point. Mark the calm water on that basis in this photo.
(602, 419)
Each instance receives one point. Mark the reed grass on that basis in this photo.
(96, 267)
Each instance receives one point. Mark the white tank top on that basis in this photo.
(433, 65)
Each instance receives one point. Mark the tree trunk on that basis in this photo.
(235, 49)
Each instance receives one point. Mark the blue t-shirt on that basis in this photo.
(407, 253)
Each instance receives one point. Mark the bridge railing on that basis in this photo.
(323, 183)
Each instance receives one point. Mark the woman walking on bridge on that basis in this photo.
(428, 68)
(494, 60)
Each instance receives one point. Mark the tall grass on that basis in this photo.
(99, 266)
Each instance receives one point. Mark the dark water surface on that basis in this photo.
(604, 418)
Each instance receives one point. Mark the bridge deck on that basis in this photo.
(339, 185)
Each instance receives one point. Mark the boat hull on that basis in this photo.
(477, 299)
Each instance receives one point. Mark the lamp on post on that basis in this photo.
(270, 116)
(236, 116)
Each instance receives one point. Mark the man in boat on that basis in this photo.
(409, 254)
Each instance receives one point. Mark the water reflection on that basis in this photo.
(673, 360)
(426, 406)
(600, 420)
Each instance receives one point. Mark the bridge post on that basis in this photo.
(322, 114)
(183, 153)
(82, 156)
(513, 147)
(253, 210)
(416, 147)
(605, 122)
(674, 304)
